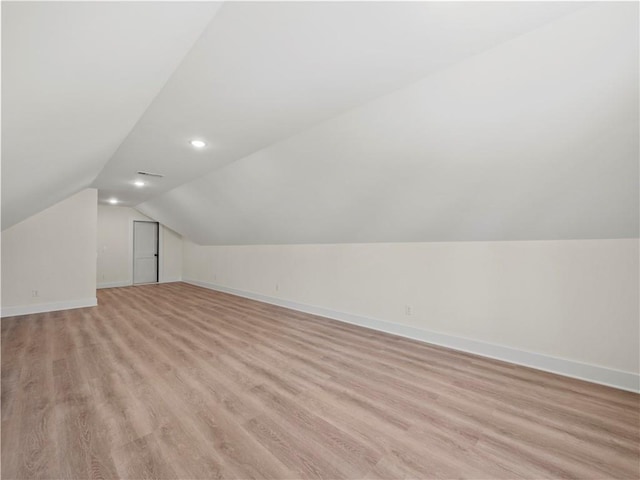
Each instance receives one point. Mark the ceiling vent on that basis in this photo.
(149, 174)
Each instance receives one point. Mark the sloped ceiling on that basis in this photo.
(76, 76)
(371, 122)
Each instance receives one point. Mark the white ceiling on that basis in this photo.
(76, 76)
(331, 122)
(264, 71)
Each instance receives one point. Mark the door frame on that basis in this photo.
(133, 246)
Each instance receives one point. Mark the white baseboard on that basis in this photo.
(48, 307)
(569, 368)
(124, 283)
(128, 283)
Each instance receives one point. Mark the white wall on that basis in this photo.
(115, 248)
(49, 259)
(575, 300)
(170, 255)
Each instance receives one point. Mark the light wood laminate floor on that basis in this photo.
(175, 381)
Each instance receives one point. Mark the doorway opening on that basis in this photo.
(145, 252)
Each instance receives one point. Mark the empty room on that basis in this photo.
(320, 240)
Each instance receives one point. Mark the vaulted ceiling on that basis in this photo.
(76, 77)
(328, 122)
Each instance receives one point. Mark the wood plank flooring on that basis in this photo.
(175, 381)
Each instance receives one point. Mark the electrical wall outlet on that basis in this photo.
(408, 310)
(277, 287)
(34, 293)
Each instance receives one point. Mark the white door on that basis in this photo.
(145, 252)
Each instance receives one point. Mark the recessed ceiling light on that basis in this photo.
(113, 201)
(139, 183)
(197, 143)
